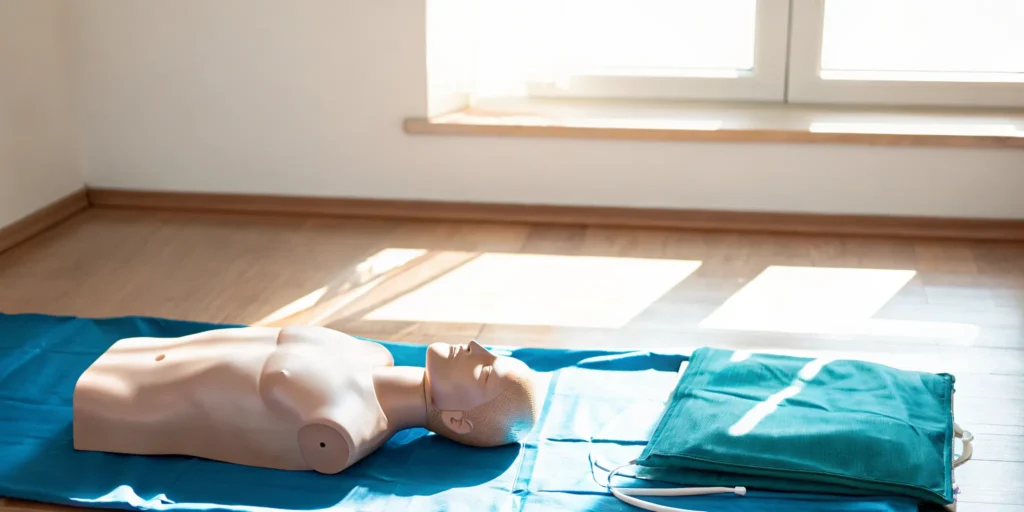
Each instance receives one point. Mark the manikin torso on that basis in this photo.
(294, 399)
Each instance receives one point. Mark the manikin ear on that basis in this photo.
(456, 421)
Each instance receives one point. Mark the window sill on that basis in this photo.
(731, 123)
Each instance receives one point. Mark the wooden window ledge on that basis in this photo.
(732, 123)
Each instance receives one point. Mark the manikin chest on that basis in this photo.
(200, 395)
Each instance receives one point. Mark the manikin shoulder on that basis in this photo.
(324, 379)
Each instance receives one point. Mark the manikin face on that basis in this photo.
(462, 377)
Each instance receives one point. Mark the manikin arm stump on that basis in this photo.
(297, 380)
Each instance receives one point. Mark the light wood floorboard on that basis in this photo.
(960, 309)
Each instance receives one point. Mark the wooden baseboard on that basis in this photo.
(43, 219)
(788, 223)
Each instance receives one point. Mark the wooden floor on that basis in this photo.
(936, 306)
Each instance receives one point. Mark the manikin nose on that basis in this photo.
(477, 349)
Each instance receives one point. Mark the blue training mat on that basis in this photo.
(600, 406)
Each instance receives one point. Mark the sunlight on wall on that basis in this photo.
(817, 300)
(536, 289)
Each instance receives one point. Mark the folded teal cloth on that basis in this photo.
(805, 425)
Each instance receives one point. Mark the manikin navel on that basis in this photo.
(293, 398)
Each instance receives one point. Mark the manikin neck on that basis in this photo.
(402, 395)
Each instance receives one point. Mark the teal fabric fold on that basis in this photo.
(805, 425)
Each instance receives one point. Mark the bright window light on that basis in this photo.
(600, 37)
(482, 52)
(967, 53)
(928, 40)
(544, 290)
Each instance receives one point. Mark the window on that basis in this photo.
(721, 49)
(909, 52)
(903, 52)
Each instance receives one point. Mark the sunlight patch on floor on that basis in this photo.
(821, 300)
(538, 289)
(808, 299)
(387, 260)
(295, 307)
(318, 305)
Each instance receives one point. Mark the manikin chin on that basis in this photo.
(297, 398)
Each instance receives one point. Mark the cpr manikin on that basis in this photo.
(297, 398)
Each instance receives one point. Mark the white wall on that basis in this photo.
(37, 162)
(307, 97)
(450, 50)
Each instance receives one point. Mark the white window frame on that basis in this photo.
(765, 82)
(806, 84)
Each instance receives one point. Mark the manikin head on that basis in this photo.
(477, 398)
